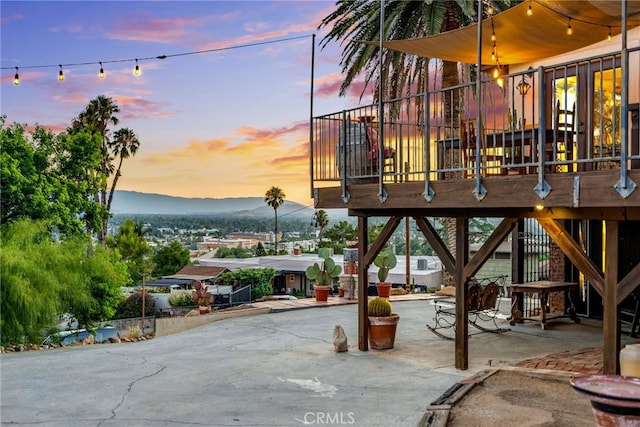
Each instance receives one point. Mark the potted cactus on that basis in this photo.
(385, 261)
(382, 324)
(323, 276)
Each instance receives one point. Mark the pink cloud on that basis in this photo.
(136, 28)
(12, 18)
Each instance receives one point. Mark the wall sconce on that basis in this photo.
(524, 86)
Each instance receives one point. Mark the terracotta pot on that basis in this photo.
(340, 292)
(204, 309)
(322, 293)
(615, 399)
(384, 289)
(382, 331)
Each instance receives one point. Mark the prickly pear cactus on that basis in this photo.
(324, 275)
(379, 307)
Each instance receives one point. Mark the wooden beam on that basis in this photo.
(363, 285)
(574, 252)
(462, 294)
(628, 284)
(437, 244)
(489, 246)
(610, 328)
(382, 239)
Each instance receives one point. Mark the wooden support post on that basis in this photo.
(462, 312)
(611, 326)
(363, 284)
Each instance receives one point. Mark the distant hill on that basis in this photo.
(132, 202)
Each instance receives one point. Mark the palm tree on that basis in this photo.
(97, 116)
(274, 197)
(125, 144)
(322, 220)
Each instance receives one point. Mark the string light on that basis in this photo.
(101, 73)
(60, 73)
(16, 78)
(136, 71)
(609, 35)
(529, 10)
(569, 29)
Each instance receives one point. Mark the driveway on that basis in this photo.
(276, 369)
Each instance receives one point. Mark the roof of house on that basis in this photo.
(198, 272)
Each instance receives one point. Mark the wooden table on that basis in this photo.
(543, 289)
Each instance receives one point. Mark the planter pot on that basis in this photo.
(322, 293)
(615, 399)
(204, 309)
(340, 292)
(382, 331)
(384, 289)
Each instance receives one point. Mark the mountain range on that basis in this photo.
(132, 202)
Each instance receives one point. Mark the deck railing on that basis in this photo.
(426, 137)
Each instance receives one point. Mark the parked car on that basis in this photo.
(77, 335)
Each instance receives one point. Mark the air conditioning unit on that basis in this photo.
(422, 264)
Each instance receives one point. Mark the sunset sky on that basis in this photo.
(228, 123)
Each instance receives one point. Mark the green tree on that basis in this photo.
(170, 259)
(43, 279)
(135, 251)
(260, 280)
(274, 197)
(338, 235)
(260, 250)
(48, 176)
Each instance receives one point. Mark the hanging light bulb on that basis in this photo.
(16, 78)
(60, 73)
(609, 35)
(529, 10)
(500, 82)
(496, 72)
(493, 36)
(493, 55)
(490, 9)
(101, 74)
(569, 29)
(136, 71)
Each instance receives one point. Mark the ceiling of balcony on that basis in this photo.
(521, 37)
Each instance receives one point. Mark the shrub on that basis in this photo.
(132, 307)
(180, 299)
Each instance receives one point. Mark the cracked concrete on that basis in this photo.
(275, 369)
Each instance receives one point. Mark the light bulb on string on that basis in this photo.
(493, 36)
(569, 29)
(136, 71)
(609, 35)
(16, 78)
(60, 73)
(529, 10)
(101, 74)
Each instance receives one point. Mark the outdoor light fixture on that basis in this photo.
(524, 86)
(529, 10)
(136, 71)
(569, 29)
(609, 35)
(60, 73)
(16, 78)
(101, 74)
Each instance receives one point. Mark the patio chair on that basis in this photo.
(468, 144)
(389, 153)
(561, 147)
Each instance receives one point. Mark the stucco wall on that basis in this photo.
(172, 325)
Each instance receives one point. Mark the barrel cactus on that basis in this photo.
(379, 307)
